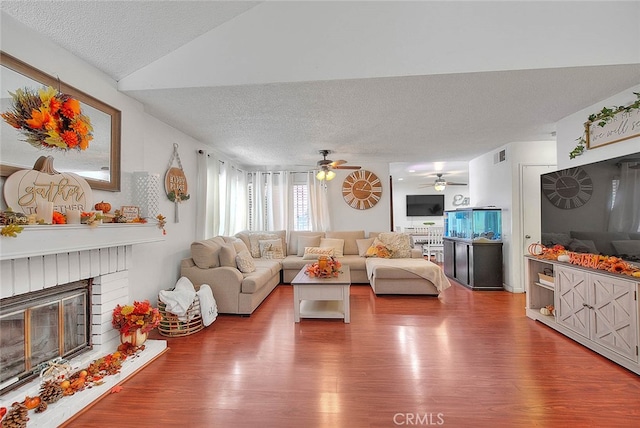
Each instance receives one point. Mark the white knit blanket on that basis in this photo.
(421, 267)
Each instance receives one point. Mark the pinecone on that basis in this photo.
(41, 407)
(16, 417)
(50, 392)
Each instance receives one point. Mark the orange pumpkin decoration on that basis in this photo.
(32, 402)
(103, 206)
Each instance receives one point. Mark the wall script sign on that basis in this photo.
(622, 126)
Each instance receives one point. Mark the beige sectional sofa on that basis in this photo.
(214, 262)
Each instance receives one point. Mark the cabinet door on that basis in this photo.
(571, 300)
(449, 259)
(462, 262)
(614, 314)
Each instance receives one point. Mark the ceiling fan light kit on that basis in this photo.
(327, 165)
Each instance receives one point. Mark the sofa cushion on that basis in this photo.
(398, 243)
(582, 246)
(336, 244)
(363, 245)
(205, 253)
(629, 247)
(239, 245)
(255, 280)
(307, 241)
(254, 242)
(227, 255)
(244, 262)
(550, 239)
(349, 237)
(602, 240)
(312, 253)
(292, 242)
(271, 248)
(634, 235)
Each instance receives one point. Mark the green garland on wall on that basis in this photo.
(603, 117)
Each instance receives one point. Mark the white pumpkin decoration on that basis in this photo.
(68, 191)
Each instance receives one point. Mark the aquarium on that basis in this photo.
(477, 224)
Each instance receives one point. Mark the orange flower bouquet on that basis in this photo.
(127, 319)
(324, 268)
(49, 119)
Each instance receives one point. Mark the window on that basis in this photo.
(301, 207)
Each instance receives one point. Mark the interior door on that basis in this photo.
(530, 208)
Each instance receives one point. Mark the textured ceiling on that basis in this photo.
(406, 110)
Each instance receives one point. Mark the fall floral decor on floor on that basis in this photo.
(325, 267)
(129, 318)
(49, 119)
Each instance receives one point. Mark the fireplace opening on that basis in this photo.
(42, 326)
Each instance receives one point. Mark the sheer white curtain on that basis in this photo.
(271, 200)
(207, 195)
(625, 213)
(318, 204)
(232, 197)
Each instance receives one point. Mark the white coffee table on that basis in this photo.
(321, 297)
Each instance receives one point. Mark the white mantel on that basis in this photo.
(40, 240)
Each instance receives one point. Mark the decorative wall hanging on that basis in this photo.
(146, 193)
(175, 183)
(361, 189)
(609, 125)
(62, 192)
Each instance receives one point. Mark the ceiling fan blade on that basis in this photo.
(338, 162)
(455, 184)
(347, 167)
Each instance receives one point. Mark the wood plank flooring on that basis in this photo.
(466, 359)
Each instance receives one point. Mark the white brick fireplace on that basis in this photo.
(42, 257)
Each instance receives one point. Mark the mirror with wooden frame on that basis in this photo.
(99, 164)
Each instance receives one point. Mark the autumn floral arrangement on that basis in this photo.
(325, 267)
(140, 315)
(611, 264)
(49, 119)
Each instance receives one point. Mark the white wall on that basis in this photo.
(572, 127)
(497, 184)
(147, 145)
(343, 217)
(408, 187)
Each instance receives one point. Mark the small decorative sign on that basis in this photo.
(175, 182)
(25, 189)
(130, 212)
(622, 126)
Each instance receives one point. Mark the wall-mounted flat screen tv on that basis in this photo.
(425, 205)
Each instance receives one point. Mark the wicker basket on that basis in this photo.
(171, 326)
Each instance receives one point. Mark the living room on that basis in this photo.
(148, 143)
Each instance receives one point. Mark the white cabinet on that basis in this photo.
(597, 309)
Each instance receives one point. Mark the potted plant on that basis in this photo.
(134, 322)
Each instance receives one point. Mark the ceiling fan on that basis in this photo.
(327, 165)
(440, 183)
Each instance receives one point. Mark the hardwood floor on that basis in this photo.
(468, 358)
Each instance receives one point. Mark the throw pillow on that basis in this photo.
(398, 243)
(379, 249)
(244, 261)
(312, 253)
(228, 255)
(336, 244)
(271, 249)
(307, 241)
(363, 246)
(254, 240)
(629, 247)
